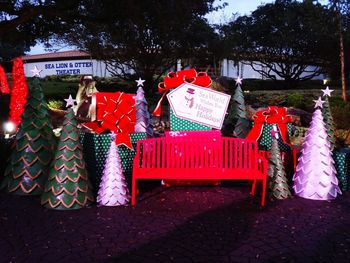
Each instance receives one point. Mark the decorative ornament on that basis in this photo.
(29, 163)
(68, 186)
(143, 118)
(70, 101)
(273, 115)
(315, 176)
(115, 112)
(278, 184)
(239, 81)
(274, 132)
(19, 92)
(113, 190)
(327, 92)
(319, 103)
(175, 79)
(36, 72)
(140, 82)
(4, 86)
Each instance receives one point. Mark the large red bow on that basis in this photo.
(115, 112)
(273, 115)
(175, 79)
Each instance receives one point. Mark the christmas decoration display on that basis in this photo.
(263, 124)
(342, 165)
(84, 109)
(114, 112)
(30, 160)
(96, 147)
(315, 176)
(4, 86)
(68, 186)
(278, 184)
(239, 113)
(178, 124)
(175, 79)
(113, 190)
(143, 118)
(328, 119)
(35, 72)
(19, 92)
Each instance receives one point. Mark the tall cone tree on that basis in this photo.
(68, 186)
(239, 111)
(329, 123)
(113, 190)
(278, 184)
(143, 118)
(315, 176)
(27, 170)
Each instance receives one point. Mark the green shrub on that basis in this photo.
(295, 100)
(340, 112)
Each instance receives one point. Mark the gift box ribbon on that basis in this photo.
(175, 79)
(115, 112)
(273, 115)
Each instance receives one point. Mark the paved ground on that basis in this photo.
(180, 224)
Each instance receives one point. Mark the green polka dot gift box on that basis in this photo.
(342, 165)
(179, 124)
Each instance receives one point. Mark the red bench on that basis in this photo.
(191, 158)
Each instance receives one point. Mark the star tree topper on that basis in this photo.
(140, 82)
(327, 91)
(274, 132)
(319, 102)
(70, 101)
(36, 72)
(239, 80)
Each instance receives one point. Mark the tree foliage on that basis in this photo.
(141, 37)
(282, 39)
(22, 23)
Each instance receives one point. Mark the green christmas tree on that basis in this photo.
(68, 186)
(278, 184)
(236, 122)
(27, 169)
(329, 123)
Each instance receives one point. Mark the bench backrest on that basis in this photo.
(197, 152)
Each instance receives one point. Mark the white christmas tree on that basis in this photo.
(143, 117)
(315, 176)
(113, 190)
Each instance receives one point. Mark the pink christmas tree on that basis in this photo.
(143, 118)
(113, 190)
(315, 176)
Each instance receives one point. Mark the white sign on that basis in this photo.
(200, 105)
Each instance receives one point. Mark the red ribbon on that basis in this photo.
(175, 79)
(115, 112)
(273, 115)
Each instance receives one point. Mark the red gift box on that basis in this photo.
(115, 112)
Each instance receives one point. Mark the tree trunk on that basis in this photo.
(341, 51)
(342, 65)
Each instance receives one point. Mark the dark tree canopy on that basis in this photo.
(284, 38)
(145, 36)
(22, 23)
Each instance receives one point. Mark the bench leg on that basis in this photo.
(252, 192)
(133, 191)
(263, 194)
